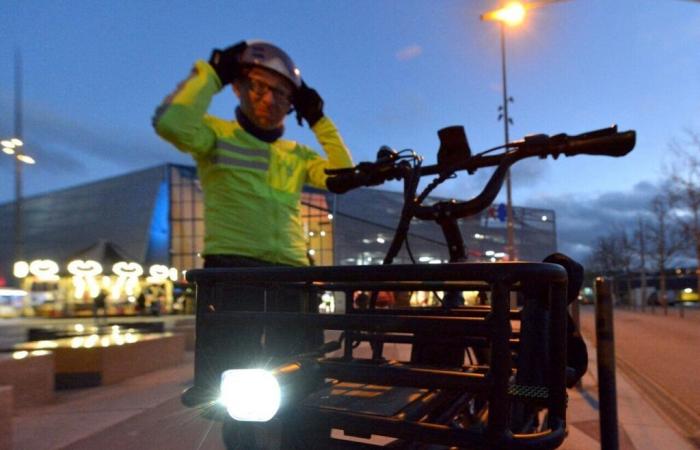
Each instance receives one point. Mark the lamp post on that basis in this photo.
(511, 14)
(13, 147)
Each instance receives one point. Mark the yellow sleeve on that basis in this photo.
(338, 155)
(180, 118)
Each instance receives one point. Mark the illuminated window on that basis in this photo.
(318, 227)
(186, 219)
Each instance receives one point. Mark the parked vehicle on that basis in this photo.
(12, 302)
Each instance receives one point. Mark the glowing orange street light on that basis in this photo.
(512, 14)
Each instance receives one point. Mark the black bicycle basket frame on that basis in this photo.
(346, 384)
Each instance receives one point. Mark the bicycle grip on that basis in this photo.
(343, 182)
(617, 144)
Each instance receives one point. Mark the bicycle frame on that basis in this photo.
(453, 404)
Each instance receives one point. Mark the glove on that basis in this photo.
(308, 105)
(226, 63)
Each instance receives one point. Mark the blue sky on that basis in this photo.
(391, 73)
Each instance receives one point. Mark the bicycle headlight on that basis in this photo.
(250, 395)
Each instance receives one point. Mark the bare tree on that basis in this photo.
(665, 239)
(685, 193)
(628, 259)
(640, 237)
(607, 259)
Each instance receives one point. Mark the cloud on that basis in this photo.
(410, 52)
(530, 172)
(65, 138)
(71, 152)
(107, 144)
(581, 220)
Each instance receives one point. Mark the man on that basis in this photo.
(99, 304)
(251, 177)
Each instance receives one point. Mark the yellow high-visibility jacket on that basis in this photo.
(251, 188)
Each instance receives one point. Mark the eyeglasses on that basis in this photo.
(260, 89)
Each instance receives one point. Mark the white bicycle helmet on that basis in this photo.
(266, 55)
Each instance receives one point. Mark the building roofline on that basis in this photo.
(94, 182)
(308, 189)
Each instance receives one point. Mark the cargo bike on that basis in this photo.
(492, 375)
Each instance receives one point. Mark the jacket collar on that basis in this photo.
(250, 127)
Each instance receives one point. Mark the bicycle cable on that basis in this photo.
(492, 149)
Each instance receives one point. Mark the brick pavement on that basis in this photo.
(144, 412)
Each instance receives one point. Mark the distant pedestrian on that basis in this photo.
(141, 304)
(403, 299)
(361, 300)
(156, 306)
(99, 304)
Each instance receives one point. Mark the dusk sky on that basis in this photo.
(390, 72)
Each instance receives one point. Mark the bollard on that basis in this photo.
(575, 311)
(664, 301)
(605, 351)
(6, 411)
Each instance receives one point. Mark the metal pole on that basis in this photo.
(575, 311)
(642, 255)
(605, 351)
(18, 253)
(510, 244)
(681, 310)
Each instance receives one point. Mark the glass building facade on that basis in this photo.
(156, 217)
(365, 220)
(186, 218)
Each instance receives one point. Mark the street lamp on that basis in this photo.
(511, 14)
(13, 147)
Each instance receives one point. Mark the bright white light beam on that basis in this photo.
(250, 395)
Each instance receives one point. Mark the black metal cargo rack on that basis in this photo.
(418, 403)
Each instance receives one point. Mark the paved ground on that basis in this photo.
(659, 354)
(145, 413)
(141, 413)
(641, 427)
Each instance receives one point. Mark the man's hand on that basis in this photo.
(226, 63)
(308, 105)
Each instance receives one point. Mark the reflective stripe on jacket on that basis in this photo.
(252, 188)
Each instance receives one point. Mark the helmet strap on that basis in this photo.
(260, 133)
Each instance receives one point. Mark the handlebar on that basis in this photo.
(602, 142)
(386, 167)
(454, 156)
(606, 141)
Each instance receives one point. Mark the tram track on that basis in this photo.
(674, 410)
(656, 354)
